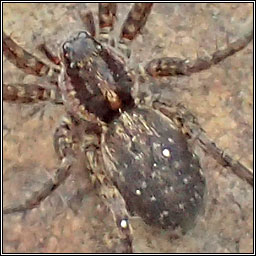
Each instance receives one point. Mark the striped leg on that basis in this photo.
(113, 200)
(30, 93)
(23, 59)
(190, 126)
(169, 66)
(48, 53)
(135, 21)
(107, 17)
(88, 21)
(64, 148)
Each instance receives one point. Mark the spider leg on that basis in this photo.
(88, 21)
(23, 59)
(189, 125)
(113, 200)
(107, 17)
(169, 66)
(48, 53)
(64, 147)
(30, 93)
(135, 21)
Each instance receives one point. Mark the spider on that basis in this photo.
(137, 153)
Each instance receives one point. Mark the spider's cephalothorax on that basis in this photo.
(95, 78)
(138, 154)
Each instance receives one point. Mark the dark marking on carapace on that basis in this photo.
(88, 70)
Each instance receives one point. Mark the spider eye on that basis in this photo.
(67, 46)
(98, 47)
(82, 34)
(72, 65)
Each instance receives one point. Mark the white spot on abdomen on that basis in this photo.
(124, 224)
(166, 152)
(152, 198)
(138, 192)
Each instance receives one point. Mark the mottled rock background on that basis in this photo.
(73, 219)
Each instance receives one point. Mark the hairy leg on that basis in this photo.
(112, 199)
(23, 59)
(135, 21)
(64, 147)
(169, 66)
(107, 17)
(189, 125)
(30, 93)
(88, 21)
(48, 53)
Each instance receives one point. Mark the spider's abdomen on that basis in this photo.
(148, 159)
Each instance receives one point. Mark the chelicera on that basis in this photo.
(137, 153)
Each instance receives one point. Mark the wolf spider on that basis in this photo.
(138, 154)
